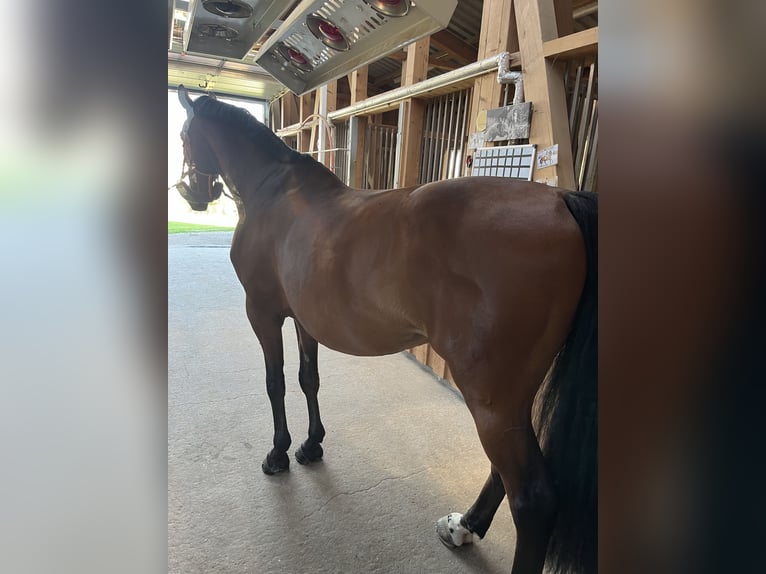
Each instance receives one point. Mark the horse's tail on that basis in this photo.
(567, 423)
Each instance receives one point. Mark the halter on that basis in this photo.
(189, 168)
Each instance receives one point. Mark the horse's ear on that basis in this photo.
(186, 101)
(212, 96)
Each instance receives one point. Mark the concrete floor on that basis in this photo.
(400, 451)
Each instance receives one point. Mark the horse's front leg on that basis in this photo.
(269, 333)
(308, 376)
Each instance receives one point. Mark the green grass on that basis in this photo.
(178, 227)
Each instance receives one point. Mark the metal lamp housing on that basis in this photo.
(370, 35)
(249, 19)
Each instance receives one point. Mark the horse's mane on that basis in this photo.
(240, 119)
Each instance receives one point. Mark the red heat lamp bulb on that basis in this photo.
(296, 56)
(330, 32)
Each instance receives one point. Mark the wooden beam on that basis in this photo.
(544, 87)
(415, 70)
(398, 56)
(415, 67)
(461, 51)
(332, 96)
(305, 105)
(412, 136)
(357, 82)
(574, 46)
(315, 123)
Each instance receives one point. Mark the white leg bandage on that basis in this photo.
(451, 532)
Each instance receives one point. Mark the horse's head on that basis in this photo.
(199, 162)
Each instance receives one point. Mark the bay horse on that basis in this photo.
(498, 276)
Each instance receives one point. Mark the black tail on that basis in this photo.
(568, 423)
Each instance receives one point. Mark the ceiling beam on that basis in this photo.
(461, 51)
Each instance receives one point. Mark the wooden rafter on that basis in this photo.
(461, 51)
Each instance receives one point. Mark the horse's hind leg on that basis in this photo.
(269, 333)
(511, 445)
(501, 408)
(308, 376)
(455, 527)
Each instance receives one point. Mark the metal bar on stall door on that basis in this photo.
(376, 153)
(432, 144)
(590, 174)
(424, 145)
(368, 159)
(391, 149)
(463, 127)
(399, 130)
(386, 148)
(575, 105)
(440, 148)
(586, 110)
(353, 143)
(371, 159)
(445, 136)
(384, 158)
(590, 152)
(453, 138)
(456, 159)
(440, 139)
(452, 97)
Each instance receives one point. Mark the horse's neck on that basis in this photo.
(257, 179)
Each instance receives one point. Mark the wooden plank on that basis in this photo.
(357, 82)
(409, 161)
(436, 362)
(420, 353)
(415, 68)
(305, 105)
(332, 96)
(544, 87)
(574, 46)
(314, 124)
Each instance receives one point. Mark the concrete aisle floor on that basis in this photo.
(400, 451)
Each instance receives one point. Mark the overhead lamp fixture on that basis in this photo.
(250, 19)
(228, 8)
(327, 32)
(338, 36)
(393, 8)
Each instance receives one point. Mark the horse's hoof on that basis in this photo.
(306, 454)
(451, 532)
(275, 464)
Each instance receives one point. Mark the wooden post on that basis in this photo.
(328, 95)
(544, 87)
(411, 112)
(357, 82)
(415, 69)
